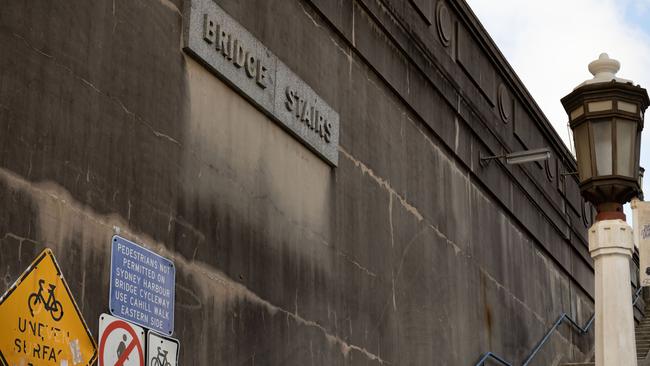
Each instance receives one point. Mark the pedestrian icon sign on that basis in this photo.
(120, 342)
(41, 323)
(122, 347)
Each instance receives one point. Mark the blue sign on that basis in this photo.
(142, 286)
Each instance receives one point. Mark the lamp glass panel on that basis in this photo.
(603, 105)
(602, 132)
(583, 152)
(577, 112)
(625, 144)
(637, 157)
(626, 107)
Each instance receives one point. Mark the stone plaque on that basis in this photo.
(226, 48)
(305, 114)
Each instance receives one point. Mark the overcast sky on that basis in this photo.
(550, 43)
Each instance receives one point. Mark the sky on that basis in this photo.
(550, 43)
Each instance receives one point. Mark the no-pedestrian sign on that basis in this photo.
(142, 286)
(40, 323)
(120, 342)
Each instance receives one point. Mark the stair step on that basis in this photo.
(642, 334)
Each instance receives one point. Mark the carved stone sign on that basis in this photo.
(226, 48)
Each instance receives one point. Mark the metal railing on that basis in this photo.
(637, 296)
(563, 317)
(492, 356)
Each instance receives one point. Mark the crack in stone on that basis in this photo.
(457, 249)
(355, 263)
(309, 16)
(97, 90)
(15, 237)
(407, 249)
(410, 208)
(224, 281)
(141, 120)
(32, 47)
(90, 84)
(382, 182)
(504, 289)
(348, 258)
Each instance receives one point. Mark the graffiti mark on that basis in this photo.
(645, 231)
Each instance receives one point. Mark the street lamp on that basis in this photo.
(606, 117)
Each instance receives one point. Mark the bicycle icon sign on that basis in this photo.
(161, 351)
(160, 359)
(37, 302)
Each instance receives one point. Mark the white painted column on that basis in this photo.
(611, 246)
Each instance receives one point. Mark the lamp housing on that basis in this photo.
(606, 118)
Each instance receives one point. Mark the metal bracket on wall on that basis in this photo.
(518, 157)
(485, 160)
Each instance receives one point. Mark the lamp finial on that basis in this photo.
(604, 70)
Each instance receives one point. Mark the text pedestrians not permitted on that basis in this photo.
(142, 286)
(120, 342)
(40, 323)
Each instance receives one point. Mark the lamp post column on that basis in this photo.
(606, 117)
(611, 246)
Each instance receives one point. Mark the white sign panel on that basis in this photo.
(641, 216)
(120, 342)
(161, 351)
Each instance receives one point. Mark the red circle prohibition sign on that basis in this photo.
(120, 324)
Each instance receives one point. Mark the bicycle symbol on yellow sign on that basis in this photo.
(36, 302)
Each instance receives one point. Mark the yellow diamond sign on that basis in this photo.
(40, 323)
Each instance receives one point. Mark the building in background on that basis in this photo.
(311, 167)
